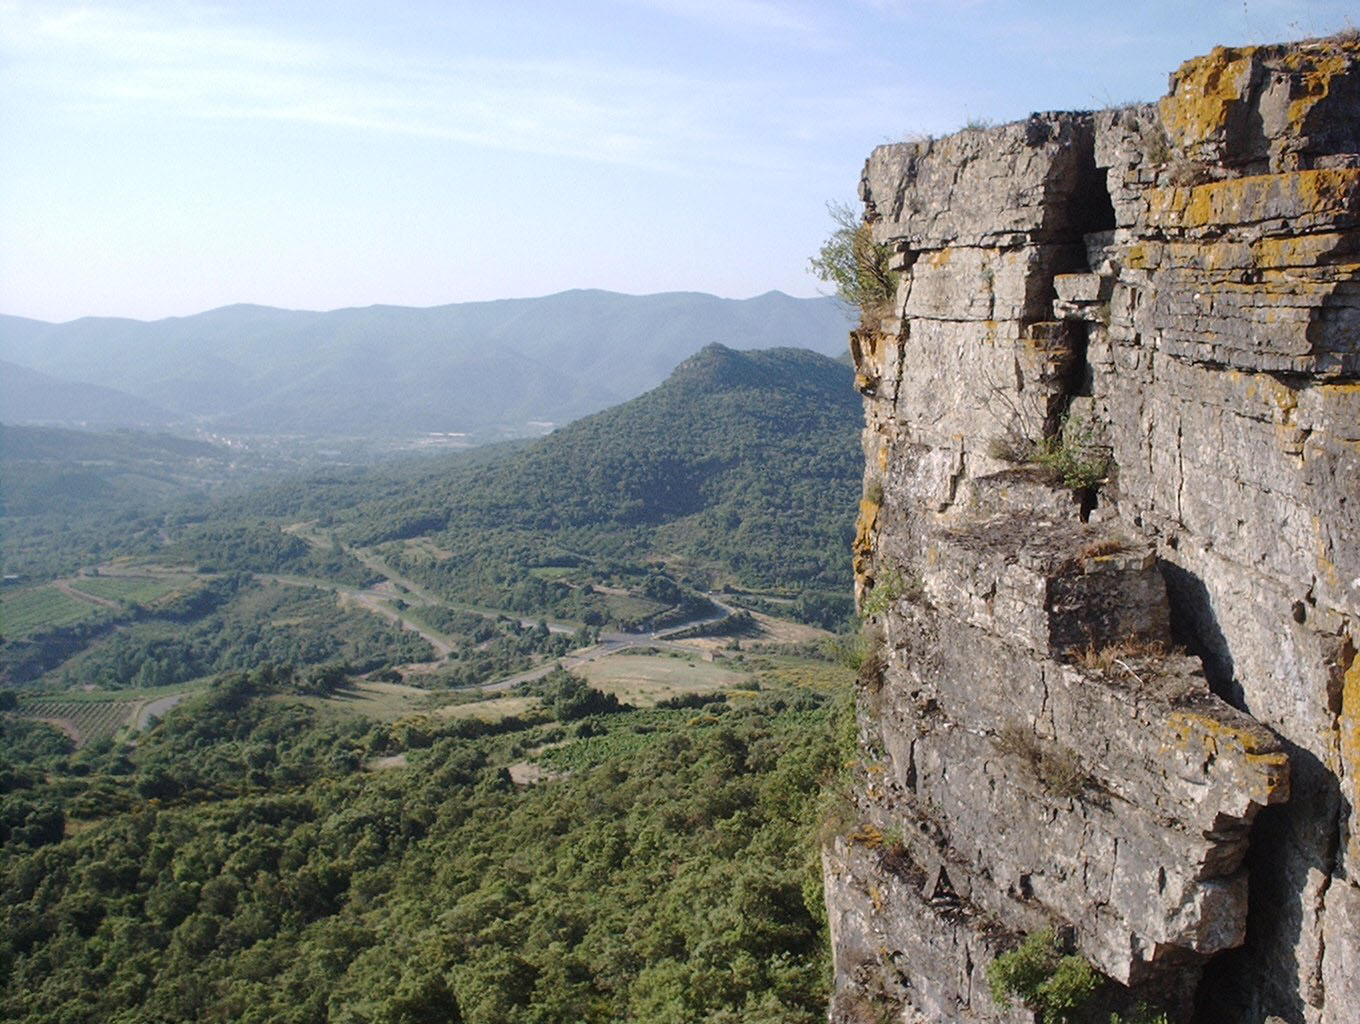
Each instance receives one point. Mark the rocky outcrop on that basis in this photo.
(1109, 551)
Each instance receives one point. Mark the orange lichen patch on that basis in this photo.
(1330, 255)
(1281, 396)
(1302, 250)
(866, 349)
(868, 834)
(1204, 92)
(1315, 75)
(868, 515)
(1322, 555)
(1339, 391)
(1283, 402)
(1266, 779)
(864, 535)
(1139, 256)
(1349, 727)
(1318, 194)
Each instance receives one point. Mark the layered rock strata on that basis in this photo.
(1110, 553)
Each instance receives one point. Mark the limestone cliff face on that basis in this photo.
(1110, 543)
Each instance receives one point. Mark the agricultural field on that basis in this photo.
(645, 679)
(144, 590)
(35, 609)
(393, 702)
(85, 721)
(88, 716)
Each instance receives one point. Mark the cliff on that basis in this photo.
(1109, 553)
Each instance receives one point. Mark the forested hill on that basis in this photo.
(479, 367)
(742, 467)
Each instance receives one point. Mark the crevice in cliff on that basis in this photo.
(1094, 202)
(1289, 873)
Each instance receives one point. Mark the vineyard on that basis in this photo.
(132, 589)
(25, 612)
(89, 720)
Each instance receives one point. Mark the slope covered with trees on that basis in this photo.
(742, 469)
(239, 863)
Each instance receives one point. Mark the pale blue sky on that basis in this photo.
(163, 158)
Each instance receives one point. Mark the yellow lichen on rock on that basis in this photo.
(1315, 76)
(864, 537)
(1348, 726)
(1329, 194)
(1204, 93)
(1212, 738)
(1350, 714)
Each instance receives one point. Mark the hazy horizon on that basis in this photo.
(430, 306)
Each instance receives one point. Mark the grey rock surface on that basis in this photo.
(1113, 499)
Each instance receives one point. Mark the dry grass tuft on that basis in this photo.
(1118, 658)
(1099, 548)
(1058, 768)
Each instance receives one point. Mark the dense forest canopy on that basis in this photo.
(241, 863)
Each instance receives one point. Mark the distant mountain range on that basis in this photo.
(509, 367)
(32, 397)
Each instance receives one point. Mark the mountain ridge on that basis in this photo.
(492, 367)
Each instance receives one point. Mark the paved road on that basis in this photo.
(609, 643)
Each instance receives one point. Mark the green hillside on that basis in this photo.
(742, 469)
(331, 823)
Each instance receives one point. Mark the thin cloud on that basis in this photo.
(758, 15)
(199, 68)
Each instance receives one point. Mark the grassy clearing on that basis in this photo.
(34, 609)
(776, 672)
(424, 547)
(389, 702)
(553, 572)
(644, 679)
(384, 701)
(625, 607)
(492, 710)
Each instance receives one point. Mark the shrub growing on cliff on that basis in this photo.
(890, 586)
(1058, 768)
(1073, 455)
(855, 265)
(1059, 988)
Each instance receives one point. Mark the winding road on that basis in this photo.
(609, 643)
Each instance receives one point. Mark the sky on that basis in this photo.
(163, 158)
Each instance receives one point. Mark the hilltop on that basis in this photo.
(740, 468)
